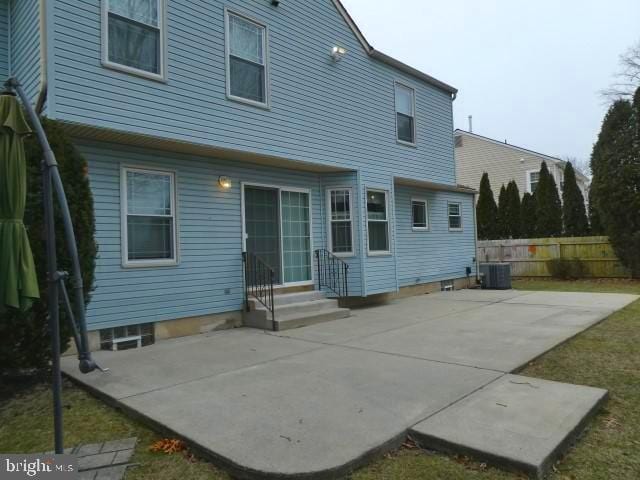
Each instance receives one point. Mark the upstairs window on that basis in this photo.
(405, 114)
(420, 217)
(134, 36)
(377, 222)
(149, 222)
(246, 60)
(533, 177)
(341, 222)
(455, 217)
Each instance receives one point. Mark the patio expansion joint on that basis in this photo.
(391, 354)
(466, 395)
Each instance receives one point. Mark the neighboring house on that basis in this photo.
(213, 128)
(503, 162)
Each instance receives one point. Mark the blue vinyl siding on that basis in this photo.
(436, 254)
(334, 114)
(25, 45)
(4, 39)
(325, 112)
(210, 236)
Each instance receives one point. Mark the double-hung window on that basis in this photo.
(246, 60)
(134, 36)
(148, 217)
(405, 114)
(341, 221)
(419, 214)
(533, 177)
(455, 216)
(378, 222)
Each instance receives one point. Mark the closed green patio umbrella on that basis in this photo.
(18, 282)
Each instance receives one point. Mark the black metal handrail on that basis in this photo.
(333, 273)
(259, 279)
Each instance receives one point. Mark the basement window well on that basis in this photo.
(126, 338)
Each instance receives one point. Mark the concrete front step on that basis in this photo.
(294, 310)
(300, 307)
(296, 320)
(298, 297)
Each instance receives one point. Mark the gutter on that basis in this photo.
(384, 58)
(42, 96)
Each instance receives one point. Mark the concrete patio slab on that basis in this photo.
(374, 320)
(604, 301)
(517, 422)
(311, 413)
(181, 360)
(319, 401)
(495, 336)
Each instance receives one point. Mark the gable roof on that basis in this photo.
(459, 131)
(378, 55)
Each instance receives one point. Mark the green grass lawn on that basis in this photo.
(607, 356)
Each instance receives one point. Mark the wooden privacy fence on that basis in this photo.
(528, 257)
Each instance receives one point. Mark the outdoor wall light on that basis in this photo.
(337, 53)
(224, 182)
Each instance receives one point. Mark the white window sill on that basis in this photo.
(420, 229)
(150, 264)
(406, 144)
(161, 78)
(252, 103)
(379, 254)
(455, 230)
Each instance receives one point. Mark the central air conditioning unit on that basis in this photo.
(496, 276)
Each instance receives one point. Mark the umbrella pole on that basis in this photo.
(53, 294)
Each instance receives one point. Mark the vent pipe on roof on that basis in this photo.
(470, 123)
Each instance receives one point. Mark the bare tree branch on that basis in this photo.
(628, 78)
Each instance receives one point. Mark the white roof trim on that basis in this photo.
(376, 54)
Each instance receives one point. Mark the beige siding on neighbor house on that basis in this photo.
(502, 162)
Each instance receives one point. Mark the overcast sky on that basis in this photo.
(529, 72)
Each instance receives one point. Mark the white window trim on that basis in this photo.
(162, 25)
(396, 84)
(378, 253)
(330, 221)
(528, 179)
(449, 216)
(126, 263)
(227, 53)
(426, 214)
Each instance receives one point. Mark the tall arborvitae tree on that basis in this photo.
(512, 214)
(528, 217)
(486, 211)
(595, 225)
(548, 205)
(615, 165)
(24, 336)
(574, 213)
(503, 228)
